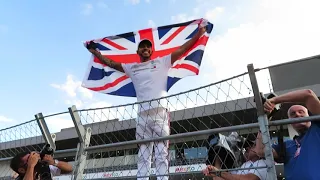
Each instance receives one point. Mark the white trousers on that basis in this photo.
(151, 124)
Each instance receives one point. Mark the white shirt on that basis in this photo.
(261, 172)
(150, 81)
(54, 171)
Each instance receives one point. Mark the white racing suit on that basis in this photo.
(151, 124)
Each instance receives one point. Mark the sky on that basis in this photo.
(43, 59)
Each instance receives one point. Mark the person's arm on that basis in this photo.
(65, 167)
(186, 46)
(29, 173)
(61, 167)
(210, 171)
(32, 162)
(306, 96)
(259, 148)
(113, 64)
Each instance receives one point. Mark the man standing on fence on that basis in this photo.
(302, 154)
(150, 82)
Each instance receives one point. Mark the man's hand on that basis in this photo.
(269, 105)
(33, 159)
(49, 159)
(202, 26)
(209, 171)
(91, 46)
(187, 45)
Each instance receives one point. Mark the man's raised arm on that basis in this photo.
(306, 96)
(115, 65)
(186, 46)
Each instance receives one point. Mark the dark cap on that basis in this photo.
(145, 41)
(247, 142)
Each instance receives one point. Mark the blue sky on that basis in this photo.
(42, 44)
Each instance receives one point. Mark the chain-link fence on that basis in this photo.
(174, 137)
(219, 105)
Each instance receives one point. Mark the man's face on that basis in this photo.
(297, 111)
(24, 164)
(145, 50)
(250, 153)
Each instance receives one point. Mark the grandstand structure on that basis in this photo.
(187, 154)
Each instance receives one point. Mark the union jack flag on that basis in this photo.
(122, 48)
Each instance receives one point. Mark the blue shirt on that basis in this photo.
(307, 164)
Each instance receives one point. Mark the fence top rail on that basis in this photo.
(17, 125)
(56, 114)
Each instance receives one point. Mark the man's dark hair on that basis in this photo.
(15, 162)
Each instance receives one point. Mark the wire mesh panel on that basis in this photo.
(17, 139)
(185, 119)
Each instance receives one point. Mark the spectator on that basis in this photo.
(302, 152)
(252, 161)
(30, 166)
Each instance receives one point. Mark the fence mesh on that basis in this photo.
(17, 139)
(223, 104)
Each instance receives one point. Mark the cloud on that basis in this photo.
(151, 23)
(270, 33)
(212, 14)
(72, 87)
(75, 94)
(147, 1)
(181, 18)
(6, 122)
(82, 98)
(87, 9)
(134, 2)
(277, 37)
(4, 119)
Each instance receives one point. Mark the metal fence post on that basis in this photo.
(84, 135)
(48, 138)
(263, 124)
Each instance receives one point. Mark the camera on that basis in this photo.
(275, 110)
(42, 167)
(46, 150)
(227, 149)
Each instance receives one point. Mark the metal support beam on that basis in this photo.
(263, 124)
(48, 138)
(84, 138)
